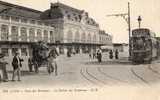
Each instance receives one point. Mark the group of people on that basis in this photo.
(98, 55)
(16, 64)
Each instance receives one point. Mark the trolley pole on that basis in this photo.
(127, 18)
(129, 30)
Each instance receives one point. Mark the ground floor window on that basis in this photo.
(24, 51)
(14, 50)
(5, 51)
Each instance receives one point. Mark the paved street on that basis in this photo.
(79, 70)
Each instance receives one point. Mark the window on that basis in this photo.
(52, 40)
(23, 34)
(83, 37)
(77, 36)
(16, 19)
(23, 20)
(89, 37)
(5, 17)
(14, 50)
(14, 31)
(69, 36)
(39, 35)
(31, 34)
(4, 32)
(32, 22)
(39, 23)
(69, 17)
(24, 51)
(45, 35)
(5, 51)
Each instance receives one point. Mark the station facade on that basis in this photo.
(61, 25)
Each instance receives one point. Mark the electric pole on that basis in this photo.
(126, 17)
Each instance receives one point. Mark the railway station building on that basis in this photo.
(62, 26)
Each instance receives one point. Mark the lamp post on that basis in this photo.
(139, 21)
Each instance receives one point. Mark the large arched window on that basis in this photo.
(45, 35)
(4, 32)
(89, 38)
(83, 37)
(69, 36)
(23, 34)
(94, 38)
(31, 34)
(52, 37)
(77, 37)
(39, 35)
(14, 31)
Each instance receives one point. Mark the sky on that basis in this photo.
(149, 10)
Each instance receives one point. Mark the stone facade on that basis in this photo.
(77, 31)
(61, 25)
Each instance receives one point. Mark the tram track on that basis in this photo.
(111, 77)
(154, 71)
(139, 77)
(91, 78)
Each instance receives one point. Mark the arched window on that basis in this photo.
(77, 37)
(89, 38)
(31, 34)
(52, 38)
(39, 35)
(23, 34)
(45, 35)
(83, 37)
(69, 36)
(94, 38)
(14, 31)
(4, 32)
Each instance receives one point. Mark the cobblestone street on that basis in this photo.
(79, 70)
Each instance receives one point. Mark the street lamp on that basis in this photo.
(139, 21)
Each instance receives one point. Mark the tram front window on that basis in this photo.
(139, 44)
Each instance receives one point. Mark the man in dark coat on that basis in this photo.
(16, 63)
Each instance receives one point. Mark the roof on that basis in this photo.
(66, 7)
(17, 10)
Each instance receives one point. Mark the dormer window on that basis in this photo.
(69, 17)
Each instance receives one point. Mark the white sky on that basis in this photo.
(98, 9)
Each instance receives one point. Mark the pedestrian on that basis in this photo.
(99, 55)
(94, 55)
(30, 64)
(116, 54)
(52, 67)
(17, 64)
(111, 54)
(90, 55)
(3, 71)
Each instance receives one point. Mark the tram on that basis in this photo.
(144, 46)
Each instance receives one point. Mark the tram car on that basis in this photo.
(144, 46)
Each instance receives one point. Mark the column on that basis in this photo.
(10, 33)
(10, 52)
(49, 36)
(42, 35)
(35, 39)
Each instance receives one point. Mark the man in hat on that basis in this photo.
(4, 75)
(16, 63)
